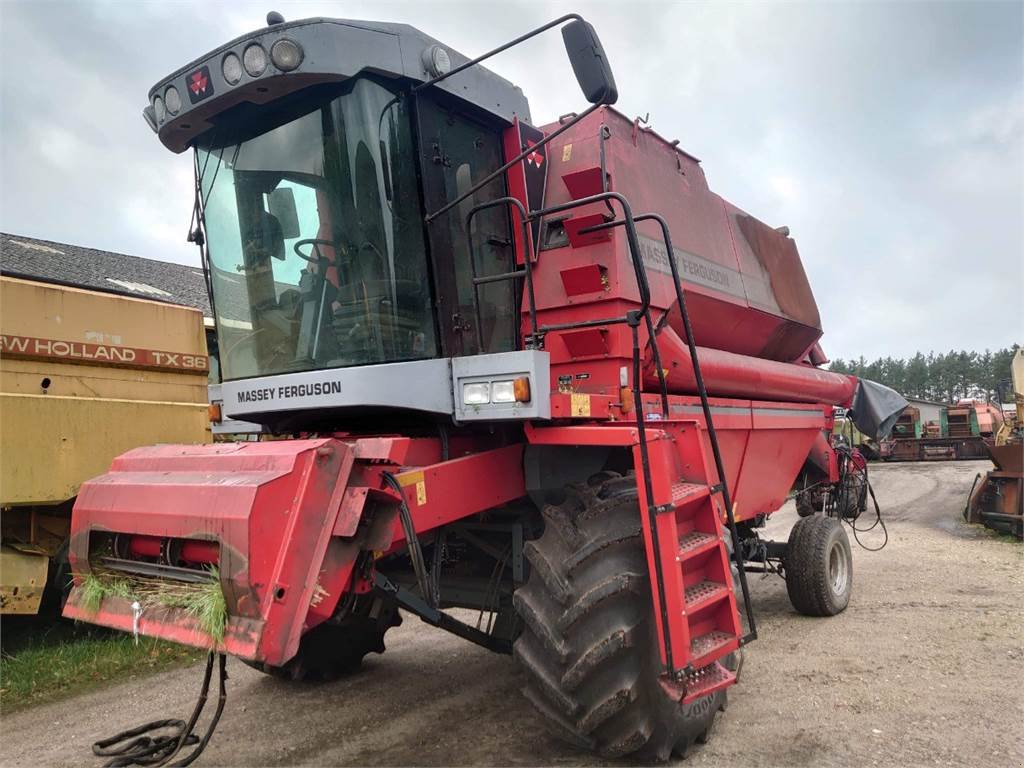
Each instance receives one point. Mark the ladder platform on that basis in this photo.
(707, 680)
(687, 493)
(713, 643)
(696, 543)
(704, 593)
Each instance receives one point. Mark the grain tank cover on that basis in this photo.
(746, 288)
(280, 60)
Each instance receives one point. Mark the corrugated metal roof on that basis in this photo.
(82, 267)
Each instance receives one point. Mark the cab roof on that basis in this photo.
(332, 50)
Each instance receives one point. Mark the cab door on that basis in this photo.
(457, 151)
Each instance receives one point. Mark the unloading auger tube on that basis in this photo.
(541, 373)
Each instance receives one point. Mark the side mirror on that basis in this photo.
(282, 207)
(589, 62)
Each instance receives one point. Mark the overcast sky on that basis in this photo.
(888, 137)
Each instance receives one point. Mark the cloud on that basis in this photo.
(887, 136)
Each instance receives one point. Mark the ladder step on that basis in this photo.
(685, 493)
(707, 680)
(709, 644)
(696, 543)
(704, 593)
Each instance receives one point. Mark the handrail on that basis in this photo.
(705, 407)
(633, 318)
(527, 271)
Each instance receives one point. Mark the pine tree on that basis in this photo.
(948, 377)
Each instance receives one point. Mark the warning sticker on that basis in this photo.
(580, 405)
(417, 479)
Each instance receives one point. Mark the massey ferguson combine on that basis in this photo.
(543, 373)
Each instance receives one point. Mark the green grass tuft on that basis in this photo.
(203, 600)
(93, 593)
(208, 606)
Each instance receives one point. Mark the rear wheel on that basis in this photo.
(332, 650)
(818, 565)
(589, 647)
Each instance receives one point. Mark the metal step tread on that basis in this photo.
(703, 593)
(707, 680)
(684, 493)
(696, 542)
(704, 645)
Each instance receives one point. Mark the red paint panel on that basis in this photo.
(452, 490)
(578, 239)
(590, 278)
(583, 183)
(589, 342)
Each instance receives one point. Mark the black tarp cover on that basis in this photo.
(875, 408)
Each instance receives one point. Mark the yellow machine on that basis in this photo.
(998, 500)
(84, 376)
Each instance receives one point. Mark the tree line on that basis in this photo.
(945, 377)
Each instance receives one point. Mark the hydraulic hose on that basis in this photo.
(136, 746)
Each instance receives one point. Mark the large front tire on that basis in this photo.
(589, 647)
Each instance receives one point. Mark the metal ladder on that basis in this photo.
(708, 676)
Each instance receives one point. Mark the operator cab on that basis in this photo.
(316, 165)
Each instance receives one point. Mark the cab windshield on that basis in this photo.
(315, 239)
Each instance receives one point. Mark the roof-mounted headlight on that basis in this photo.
(231, 68)
(172, 99)
(436, 61)
(159, 109)
(254, 58)
(286, 54)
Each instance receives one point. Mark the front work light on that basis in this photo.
(511, 391)
(173, 100)
(286, 55)
(231, 68)
(503, 392)
(477, 393)
(255, 60)
(159, 109)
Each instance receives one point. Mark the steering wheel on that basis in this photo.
(314, 241)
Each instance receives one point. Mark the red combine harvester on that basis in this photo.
(541, 373)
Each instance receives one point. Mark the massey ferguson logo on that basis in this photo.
(535, 158)
(199, 85)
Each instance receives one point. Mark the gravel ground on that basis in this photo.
(924, 668)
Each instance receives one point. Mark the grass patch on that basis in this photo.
(203, 600)
(64, 659)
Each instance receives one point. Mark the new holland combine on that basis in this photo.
(539, 372)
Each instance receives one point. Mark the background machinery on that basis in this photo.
(542, 373)
(84, 376)
(998, 501)
(964, 430)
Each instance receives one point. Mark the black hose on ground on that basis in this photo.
(137, 747)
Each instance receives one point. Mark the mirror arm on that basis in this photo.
(517, 159)
(505, 47)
